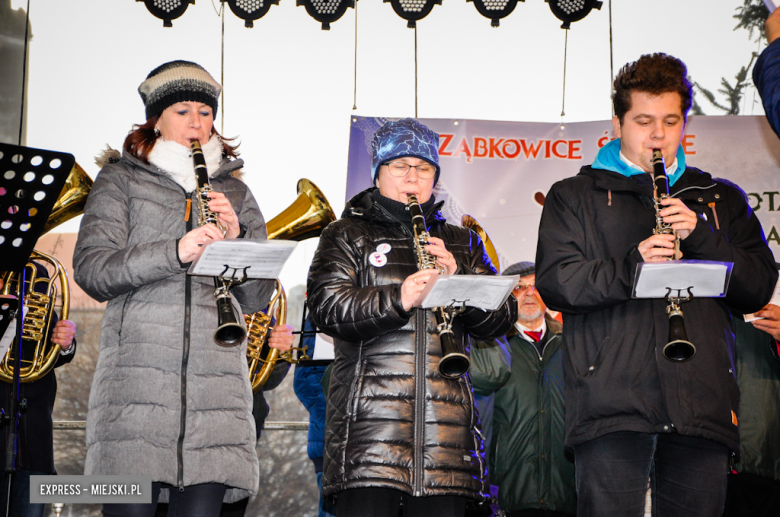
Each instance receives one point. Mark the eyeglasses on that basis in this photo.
(522, 286)
(401, 169)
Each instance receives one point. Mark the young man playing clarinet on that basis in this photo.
(632, 414)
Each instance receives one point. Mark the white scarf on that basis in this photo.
(175, 160)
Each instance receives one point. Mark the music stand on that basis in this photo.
(30, 183)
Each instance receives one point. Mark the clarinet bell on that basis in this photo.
(678, 349)
(229, 332)
(454, 365)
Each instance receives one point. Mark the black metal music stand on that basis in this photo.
(30, 183)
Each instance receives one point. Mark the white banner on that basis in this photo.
(500, 172)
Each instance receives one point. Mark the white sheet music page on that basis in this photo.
(481, 291)
(265, 259)
(707, 279)
(323, 348)
(10, 334)
(774, 301)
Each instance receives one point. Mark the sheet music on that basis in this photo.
(707, 279)
(10, 334)
(774, 301)
(323, 348)
(264, 259)
(481, 291)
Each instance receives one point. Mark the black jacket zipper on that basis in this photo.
(420, 358)
(184, 359)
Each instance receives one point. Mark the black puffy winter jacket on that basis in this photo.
(392, 420)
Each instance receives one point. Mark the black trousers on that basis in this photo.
(195, 501)
(687, 475)
(752, 496)
(386, 502)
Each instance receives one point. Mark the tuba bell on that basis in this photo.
(468, 221)
(305, 218)
(43, 305)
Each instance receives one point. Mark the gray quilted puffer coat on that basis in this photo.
(392, 420)
(166, 400)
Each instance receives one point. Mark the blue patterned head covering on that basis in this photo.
(405, 137)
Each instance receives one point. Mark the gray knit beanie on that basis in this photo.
(178, 81)
(521, 268)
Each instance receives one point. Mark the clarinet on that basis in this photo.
(678, 349)
(661, 192)
(453, 363)
(229, 332)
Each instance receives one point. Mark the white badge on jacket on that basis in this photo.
(377, 259)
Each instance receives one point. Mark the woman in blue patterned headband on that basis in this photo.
(397, 431)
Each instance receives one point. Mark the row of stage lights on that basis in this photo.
(329, 11)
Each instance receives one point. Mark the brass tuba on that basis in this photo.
(469, 222)
(305, 218)
(42, 306)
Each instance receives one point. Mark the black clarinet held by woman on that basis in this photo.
(453, 362)
(229, 332)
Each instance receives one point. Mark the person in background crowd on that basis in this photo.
(396, 429)
(309, 390)
(754, 491)
(630, 412)
(766, 72)
(34, 446)
(527, 455)
(166, 400)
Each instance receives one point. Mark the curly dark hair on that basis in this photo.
(655, 74)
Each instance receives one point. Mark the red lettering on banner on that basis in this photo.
(510, 148)
(555, 149)
(480, 147)
(604, 140)
(688, 141)
(515, 143)
(443, 145)
(494, 151)
(531, 150)
(573, 147)
(464, 148)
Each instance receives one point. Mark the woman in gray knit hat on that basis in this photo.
(166, 400)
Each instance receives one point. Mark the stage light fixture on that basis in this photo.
(569, 11)
(167, 10)
(326, 11)
(250, 10)
(413, 10)
(495, 9)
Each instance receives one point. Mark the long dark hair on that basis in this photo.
(140, 141)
